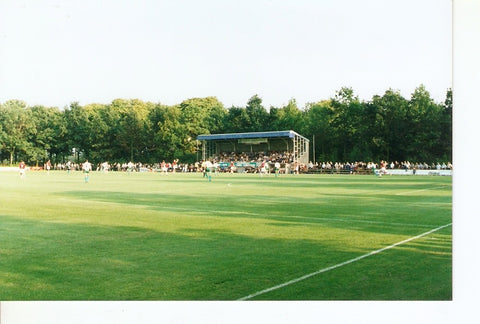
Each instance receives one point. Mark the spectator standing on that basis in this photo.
(232, 167)
(22, 168)
(263, 169)
(164, 168)
(48, 166)
(129, 167)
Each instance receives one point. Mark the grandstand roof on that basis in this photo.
(288, 133)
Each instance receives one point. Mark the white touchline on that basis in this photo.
(340, 264)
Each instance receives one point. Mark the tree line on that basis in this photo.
(342, 128)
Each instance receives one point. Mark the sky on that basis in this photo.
(55, 52)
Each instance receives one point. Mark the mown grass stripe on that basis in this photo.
(327, 219)
(418, 190)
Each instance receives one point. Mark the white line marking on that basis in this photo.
(349, 220)
(340, 264)
(267, 216)
(419, 190)
(353, 220)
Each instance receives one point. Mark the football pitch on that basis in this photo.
(147, 236)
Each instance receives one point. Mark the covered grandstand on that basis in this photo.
(256, 143)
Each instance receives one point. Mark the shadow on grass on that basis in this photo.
(377, 214)
(55, 261)
(58, 261)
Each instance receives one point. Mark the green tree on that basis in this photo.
(446, 127)
(132, 127)
(424, 116)
(15, 124)
(257, 115)
(387, 127)
(169, 135)
(216, 118)
(289, 117)
(103, 146)
(79, 130)
(48, 134)
(391, 137)
(346, 121)
(237, 120)
(202, 116)
(318, 123)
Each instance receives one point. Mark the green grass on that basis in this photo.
(179, 237)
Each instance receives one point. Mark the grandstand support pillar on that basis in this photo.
(196, 149)
(295, 149)
(313, 149)
(204, 149)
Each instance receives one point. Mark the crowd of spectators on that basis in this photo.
(284, 158)
(288, 164)
(341, 167)
(130, 166)
(272, 157)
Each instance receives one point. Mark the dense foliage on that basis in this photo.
(342, 128)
